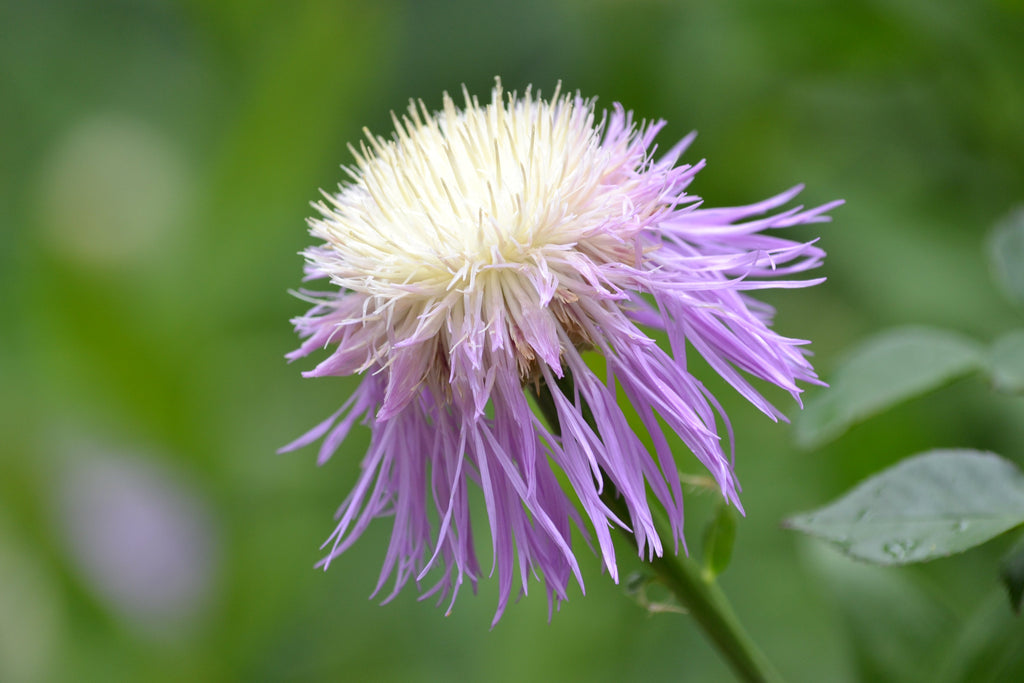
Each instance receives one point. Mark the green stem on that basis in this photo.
(701, 597)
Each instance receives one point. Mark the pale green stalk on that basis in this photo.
(698, 594)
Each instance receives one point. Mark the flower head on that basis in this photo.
(479, 256)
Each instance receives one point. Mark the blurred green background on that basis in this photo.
(156, 164)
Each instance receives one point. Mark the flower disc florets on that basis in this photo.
(486, 248)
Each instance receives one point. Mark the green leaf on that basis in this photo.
(1006, 254)
(1011, 572)
(1006, 363)
(882, 372)
(719, 538)
(927, 506)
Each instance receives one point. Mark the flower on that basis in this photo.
(480, 255)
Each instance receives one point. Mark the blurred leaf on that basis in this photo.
(883, 371)
(983, 646)
(1011, 572)
(1006, 254)
(927, 506)
(893, 623)
(719, 539)
(1006, 363)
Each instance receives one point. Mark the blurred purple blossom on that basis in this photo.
(142, 539)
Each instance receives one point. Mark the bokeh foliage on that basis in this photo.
(156, 166)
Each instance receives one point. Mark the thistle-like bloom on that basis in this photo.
(483, 253)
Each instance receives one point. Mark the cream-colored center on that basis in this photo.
(469, 190)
